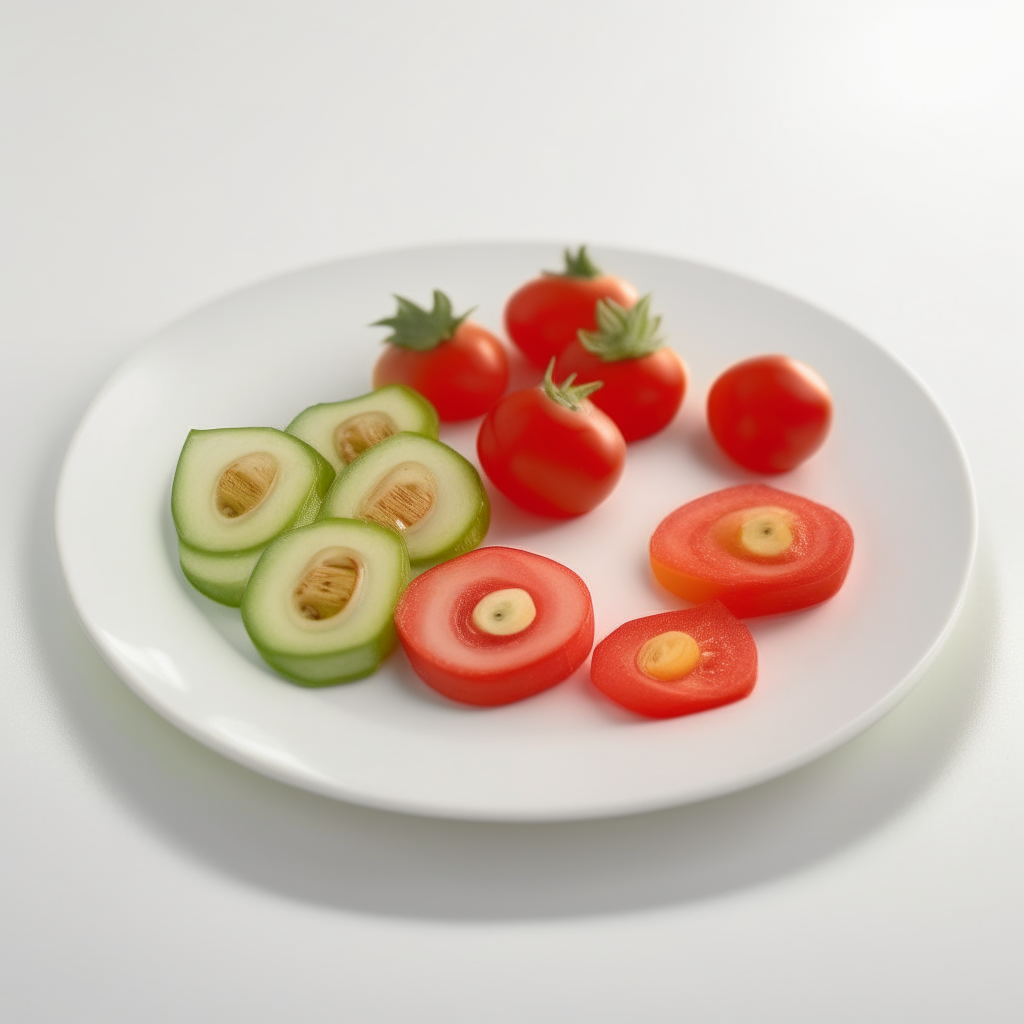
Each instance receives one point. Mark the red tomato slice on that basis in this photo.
(450, 653)
(757, 549)
(725, 669)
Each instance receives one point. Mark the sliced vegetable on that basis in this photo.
(419, 488)
(545, 314)
(320, 603)
(234, 490)
(770, 413)
(757, 549)
(455, 363)
(550, 450)
(496, 625)
(340, 431)
(221, 577)
(677, 662)
(644, 381)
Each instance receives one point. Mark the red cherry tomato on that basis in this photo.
(641, 395)
(769, 413)
(549, 450)
(453, 362)
(756, 549)
(725, 671)
(451, 653)
(543, 316)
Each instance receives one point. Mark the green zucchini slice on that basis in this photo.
(234, 490)
(419, 488)
(237, 488)
(220, 577)
(341, 431)
(319, 606)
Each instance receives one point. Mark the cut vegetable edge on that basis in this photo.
(319, 606)
(798, 556)
(421, 489)
(236, 488)
(452, 627)
(675, 663)
(341, 431)
(221, 577)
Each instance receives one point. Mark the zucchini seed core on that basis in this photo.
(353, 436)
(327, 587)
(245, 484)
(402, 499)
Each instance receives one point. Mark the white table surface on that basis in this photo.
(866, 157)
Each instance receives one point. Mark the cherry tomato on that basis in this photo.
(756, 549)
(551, 451)
(769, 413)
(644, 381)
(544, 315)
(677, 662)
(495, 625)
(457, 365)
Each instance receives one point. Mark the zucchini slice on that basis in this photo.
(234, 490)
(319, 606)
(341, 431)
(419, 488)
(220, 577)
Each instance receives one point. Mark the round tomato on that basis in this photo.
(495, 625)
(550, 450)
(769, 413)
(677, 662)
(457, 365)
(756, 549)
(544, 315)
(644, 382)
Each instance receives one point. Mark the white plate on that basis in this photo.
(891, 465)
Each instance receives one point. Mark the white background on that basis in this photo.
(866, 157)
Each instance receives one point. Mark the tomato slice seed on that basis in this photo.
(766, 531)
(504, 612)
(626, 663)
(669, 656)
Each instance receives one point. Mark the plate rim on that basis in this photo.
(333, 789)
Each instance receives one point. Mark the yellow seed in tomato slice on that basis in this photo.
(669, 656)
(504, 612)
(766, 532)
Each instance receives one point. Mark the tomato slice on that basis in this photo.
(757, 549)
(471, 635)
(645, 665)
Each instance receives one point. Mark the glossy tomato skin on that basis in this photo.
(727, 670)
(769, 413)
(641, 395)
(545, 314)
(548, 459)
(449, 654)
(462, 377)
(691, 556)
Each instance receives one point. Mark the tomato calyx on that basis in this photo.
(580, 265)
(420, 329)
(567, 394)
(623, 333)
